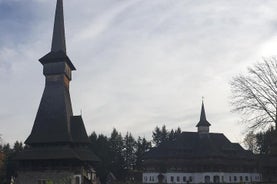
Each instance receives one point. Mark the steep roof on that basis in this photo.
(53, 117)
(78, 131)
(194, 145)
(58, 39)
(57, 153)
(203, 121)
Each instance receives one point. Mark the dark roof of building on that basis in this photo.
(196, 145)
(203, 121)
(57, 153)
(53, 117)
(78, 131)
(58, 56)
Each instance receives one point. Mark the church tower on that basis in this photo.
(58, 146)
(203, 125)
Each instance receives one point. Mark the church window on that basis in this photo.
(172, 178)
(184, 179)
(216, 179)
(207, 179)
(145, 178)
(77, 180)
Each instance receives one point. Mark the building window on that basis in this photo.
(172, 179)
(145, 178)
(184, 179)
(190, 179)
(178, 178)
(207, 179)
(246, 178)
(240, 178)
(235, 178)
(77, 180)
(216, 179)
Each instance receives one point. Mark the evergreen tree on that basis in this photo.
(160, 135)
(100, 146)
(142, 147)
(129, 151)
(117, 160)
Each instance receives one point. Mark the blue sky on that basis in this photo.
(140, 63)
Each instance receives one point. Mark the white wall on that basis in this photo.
(200, 177)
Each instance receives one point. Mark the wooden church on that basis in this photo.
(200, 157)
(58, 146)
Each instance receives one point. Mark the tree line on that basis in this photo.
(120, 154)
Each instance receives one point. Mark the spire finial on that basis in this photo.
(58, 40)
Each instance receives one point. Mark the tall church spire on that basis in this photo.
(203, 124)
(58, 40)
(58, 146)
(58, 49)
(55, 110)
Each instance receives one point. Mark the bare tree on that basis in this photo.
(250, 142)
(255, 94)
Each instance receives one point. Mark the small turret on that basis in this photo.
(203, 125)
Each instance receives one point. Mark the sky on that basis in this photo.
(140, 63)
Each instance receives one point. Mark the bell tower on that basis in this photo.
(58, 146)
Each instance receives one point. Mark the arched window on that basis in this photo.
(216, 179)
(145, 178)
(184, 179)
(172, 178)
(240, 178)
(207, 179)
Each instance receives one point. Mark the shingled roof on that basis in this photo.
(194, 145)
(78, 131)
